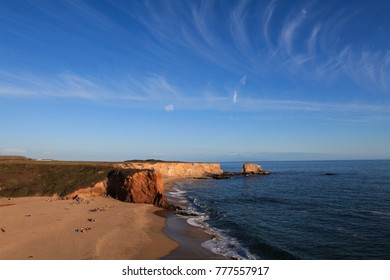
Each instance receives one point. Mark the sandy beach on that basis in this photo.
(48, 228)
(96, 227)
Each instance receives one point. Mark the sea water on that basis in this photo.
(303, 210)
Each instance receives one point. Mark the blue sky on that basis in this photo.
(195, 80)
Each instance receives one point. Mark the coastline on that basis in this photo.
(189, 237)
(48, 228)
(45, 226)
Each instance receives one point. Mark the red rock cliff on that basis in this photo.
(137, 186)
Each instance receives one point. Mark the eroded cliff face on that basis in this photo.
(142, 182)
(98, 189)
(133, 186)
(176, 169)
(137, 186)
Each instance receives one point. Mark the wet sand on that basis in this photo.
(189, 237)
(47, 228)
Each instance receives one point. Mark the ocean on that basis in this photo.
(327, 210)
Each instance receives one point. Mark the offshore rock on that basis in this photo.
(253, 169)
(137, 186)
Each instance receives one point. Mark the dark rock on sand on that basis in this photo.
(185, 213)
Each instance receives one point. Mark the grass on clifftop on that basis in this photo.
(152, 161)
(29, 177)
(20, 176)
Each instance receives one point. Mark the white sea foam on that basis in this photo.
(198, 221)
(221, 243)
(177, 193)
(379, 213)
(225, 245)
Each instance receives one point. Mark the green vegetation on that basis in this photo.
(26, 177)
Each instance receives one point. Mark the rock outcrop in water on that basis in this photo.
(253, 169)
(247, 169)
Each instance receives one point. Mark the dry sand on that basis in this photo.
(46, 228)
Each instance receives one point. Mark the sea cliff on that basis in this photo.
(135, 182)
(175, 169)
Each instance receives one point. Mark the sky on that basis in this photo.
(195, 80)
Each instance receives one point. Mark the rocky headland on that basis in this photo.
(133, 181)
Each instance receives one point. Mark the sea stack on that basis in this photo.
(253, 169)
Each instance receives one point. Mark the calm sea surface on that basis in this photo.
(298, 212)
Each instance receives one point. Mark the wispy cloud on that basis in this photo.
(14, 91)
(305, 39)
(155, 91)
(200, 14)
(306, 106)
(235, 95)
(65, 85)
(239, 86)
(267, 17)
(288, 33)
(242, 81)
(13, 151)
(238, 26)
(374, 66)
(137, 91)
(89, 14)
(312, 42)
(169, 107)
